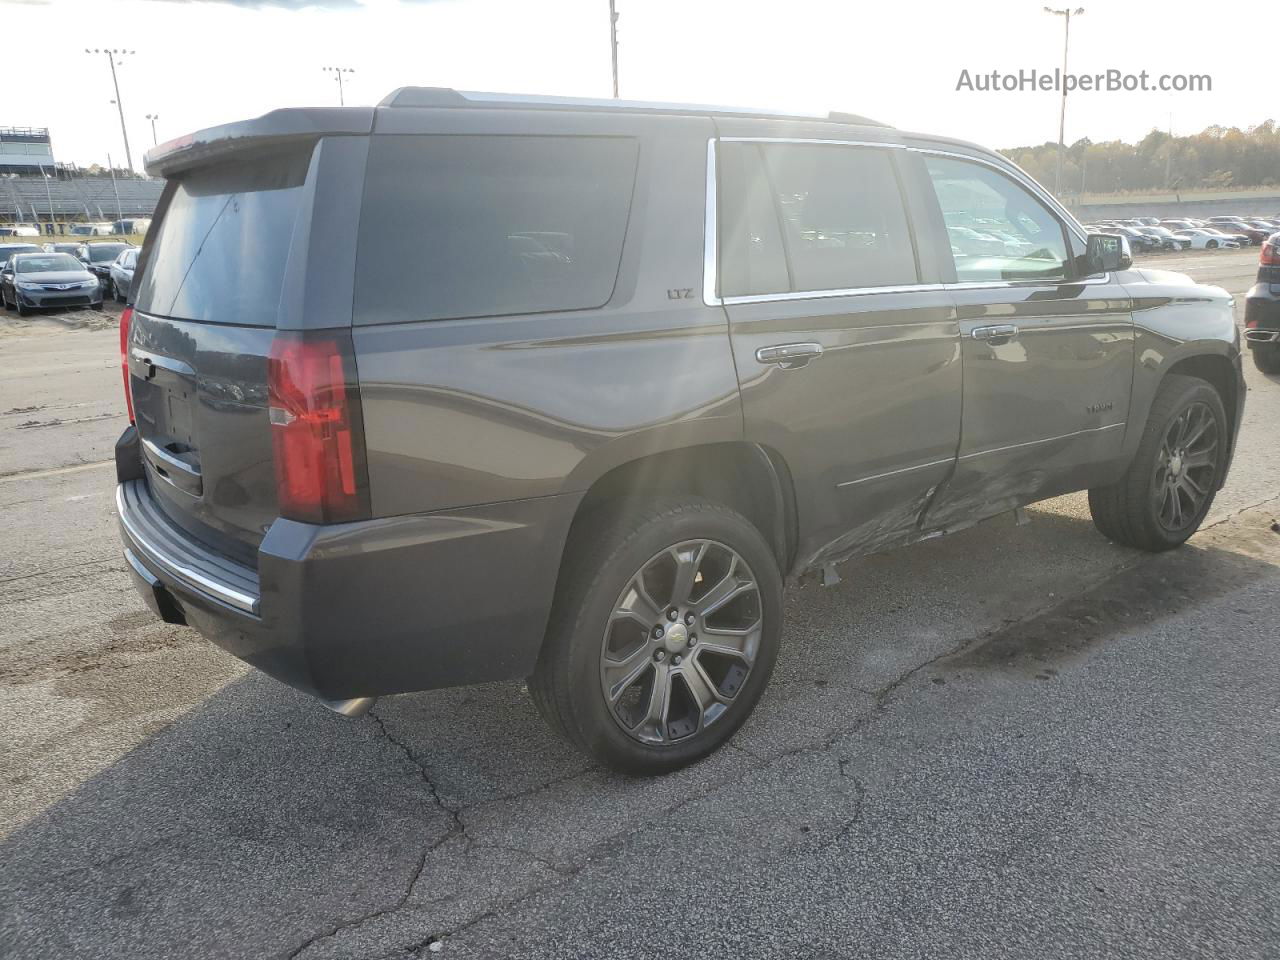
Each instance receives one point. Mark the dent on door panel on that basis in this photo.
(870, 428)
(1045, 412)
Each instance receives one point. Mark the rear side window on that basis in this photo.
(837, 219)
(477, 226)
(219, 253)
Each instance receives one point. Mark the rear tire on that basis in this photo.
(637, 702)
(1169, 487)
(1267, 358)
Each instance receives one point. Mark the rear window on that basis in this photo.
(220, 250)
(103, 252)
(475, 226)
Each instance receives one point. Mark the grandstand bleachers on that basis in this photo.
(80, 198)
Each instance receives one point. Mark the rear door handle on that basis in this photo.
(789, 356)
(996, 334)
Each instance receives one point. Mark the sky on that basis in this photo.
(203, 62)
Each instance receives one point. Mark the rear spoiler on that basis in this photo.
(277, 127)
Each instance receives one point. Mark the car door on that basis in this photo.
(1048, 352)
(846, 345)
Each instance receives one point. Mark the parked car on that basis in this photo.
(120, 274)
(1137, 239)
(1202, 239)
(91, 230)
(37, 281)
(1168, 239)
(7, 250)
(98, 257)
(74, 248)
(1176, 225)
(975, 242)
(131, 226)
(1262, 310)
(19, 230)
(1240, 239)
(1237, 227)
(583, 399)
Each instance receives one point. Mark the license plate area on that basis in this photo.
(164, 397)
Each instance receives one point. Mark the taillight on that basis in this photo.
(126, 318)
(317, 430)
(1271, 253)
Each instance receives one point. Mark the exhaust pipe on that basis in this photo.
(355, 707)
(1262, 336)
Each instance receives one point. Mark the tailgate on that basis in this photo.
(214, 274)
(200, 403)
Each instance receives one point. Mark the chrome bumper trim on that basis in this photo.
(182, 571)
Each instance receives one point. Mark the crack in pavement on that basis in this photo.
(882, 699)
(456, 828)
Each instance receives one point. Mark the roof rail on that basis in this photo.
(439, 97)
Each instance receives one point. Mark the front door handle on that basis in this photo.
(789, 356)
(996, 334)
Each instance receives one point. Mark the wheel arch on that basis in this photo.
(749, 477)
(1221, 374)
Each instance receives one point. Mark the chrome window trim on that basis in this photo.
(710, 239)
(239, 599)
(847, 292)
(819, 141)
(710, 263)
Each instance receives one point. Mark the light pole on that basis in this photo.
(153, 117)
(338, 72)
(1066, 15)
(613, 43)
(113, 54)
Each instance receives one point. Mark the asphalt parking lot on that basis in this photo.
(1012, 742)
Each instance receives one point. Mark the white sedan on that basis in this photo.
(1204, 240)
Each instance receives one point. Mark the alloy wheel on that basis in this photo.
(1187, 467)
(681, 641)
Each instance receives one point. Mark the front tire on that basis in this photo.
(1267, 358)
(663, 635)
(23, 310)
(1169, 487)
(1211, 245)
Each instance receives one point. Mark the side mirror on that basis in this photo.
(1106, 253)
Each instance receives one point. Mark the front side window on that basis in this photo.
(798, 218)
(997, 229)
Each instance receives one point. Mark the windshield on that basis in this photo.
(100, 252)
(53, 262)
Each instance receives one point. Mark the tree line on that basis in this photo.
(1217, 158)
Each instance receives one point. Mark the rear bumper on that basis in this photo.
(363, 609)
(1262, 314)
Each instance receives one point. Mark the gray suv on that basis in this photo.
(466, 388)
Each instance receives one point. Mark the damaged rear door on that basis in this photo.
(847, 347)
